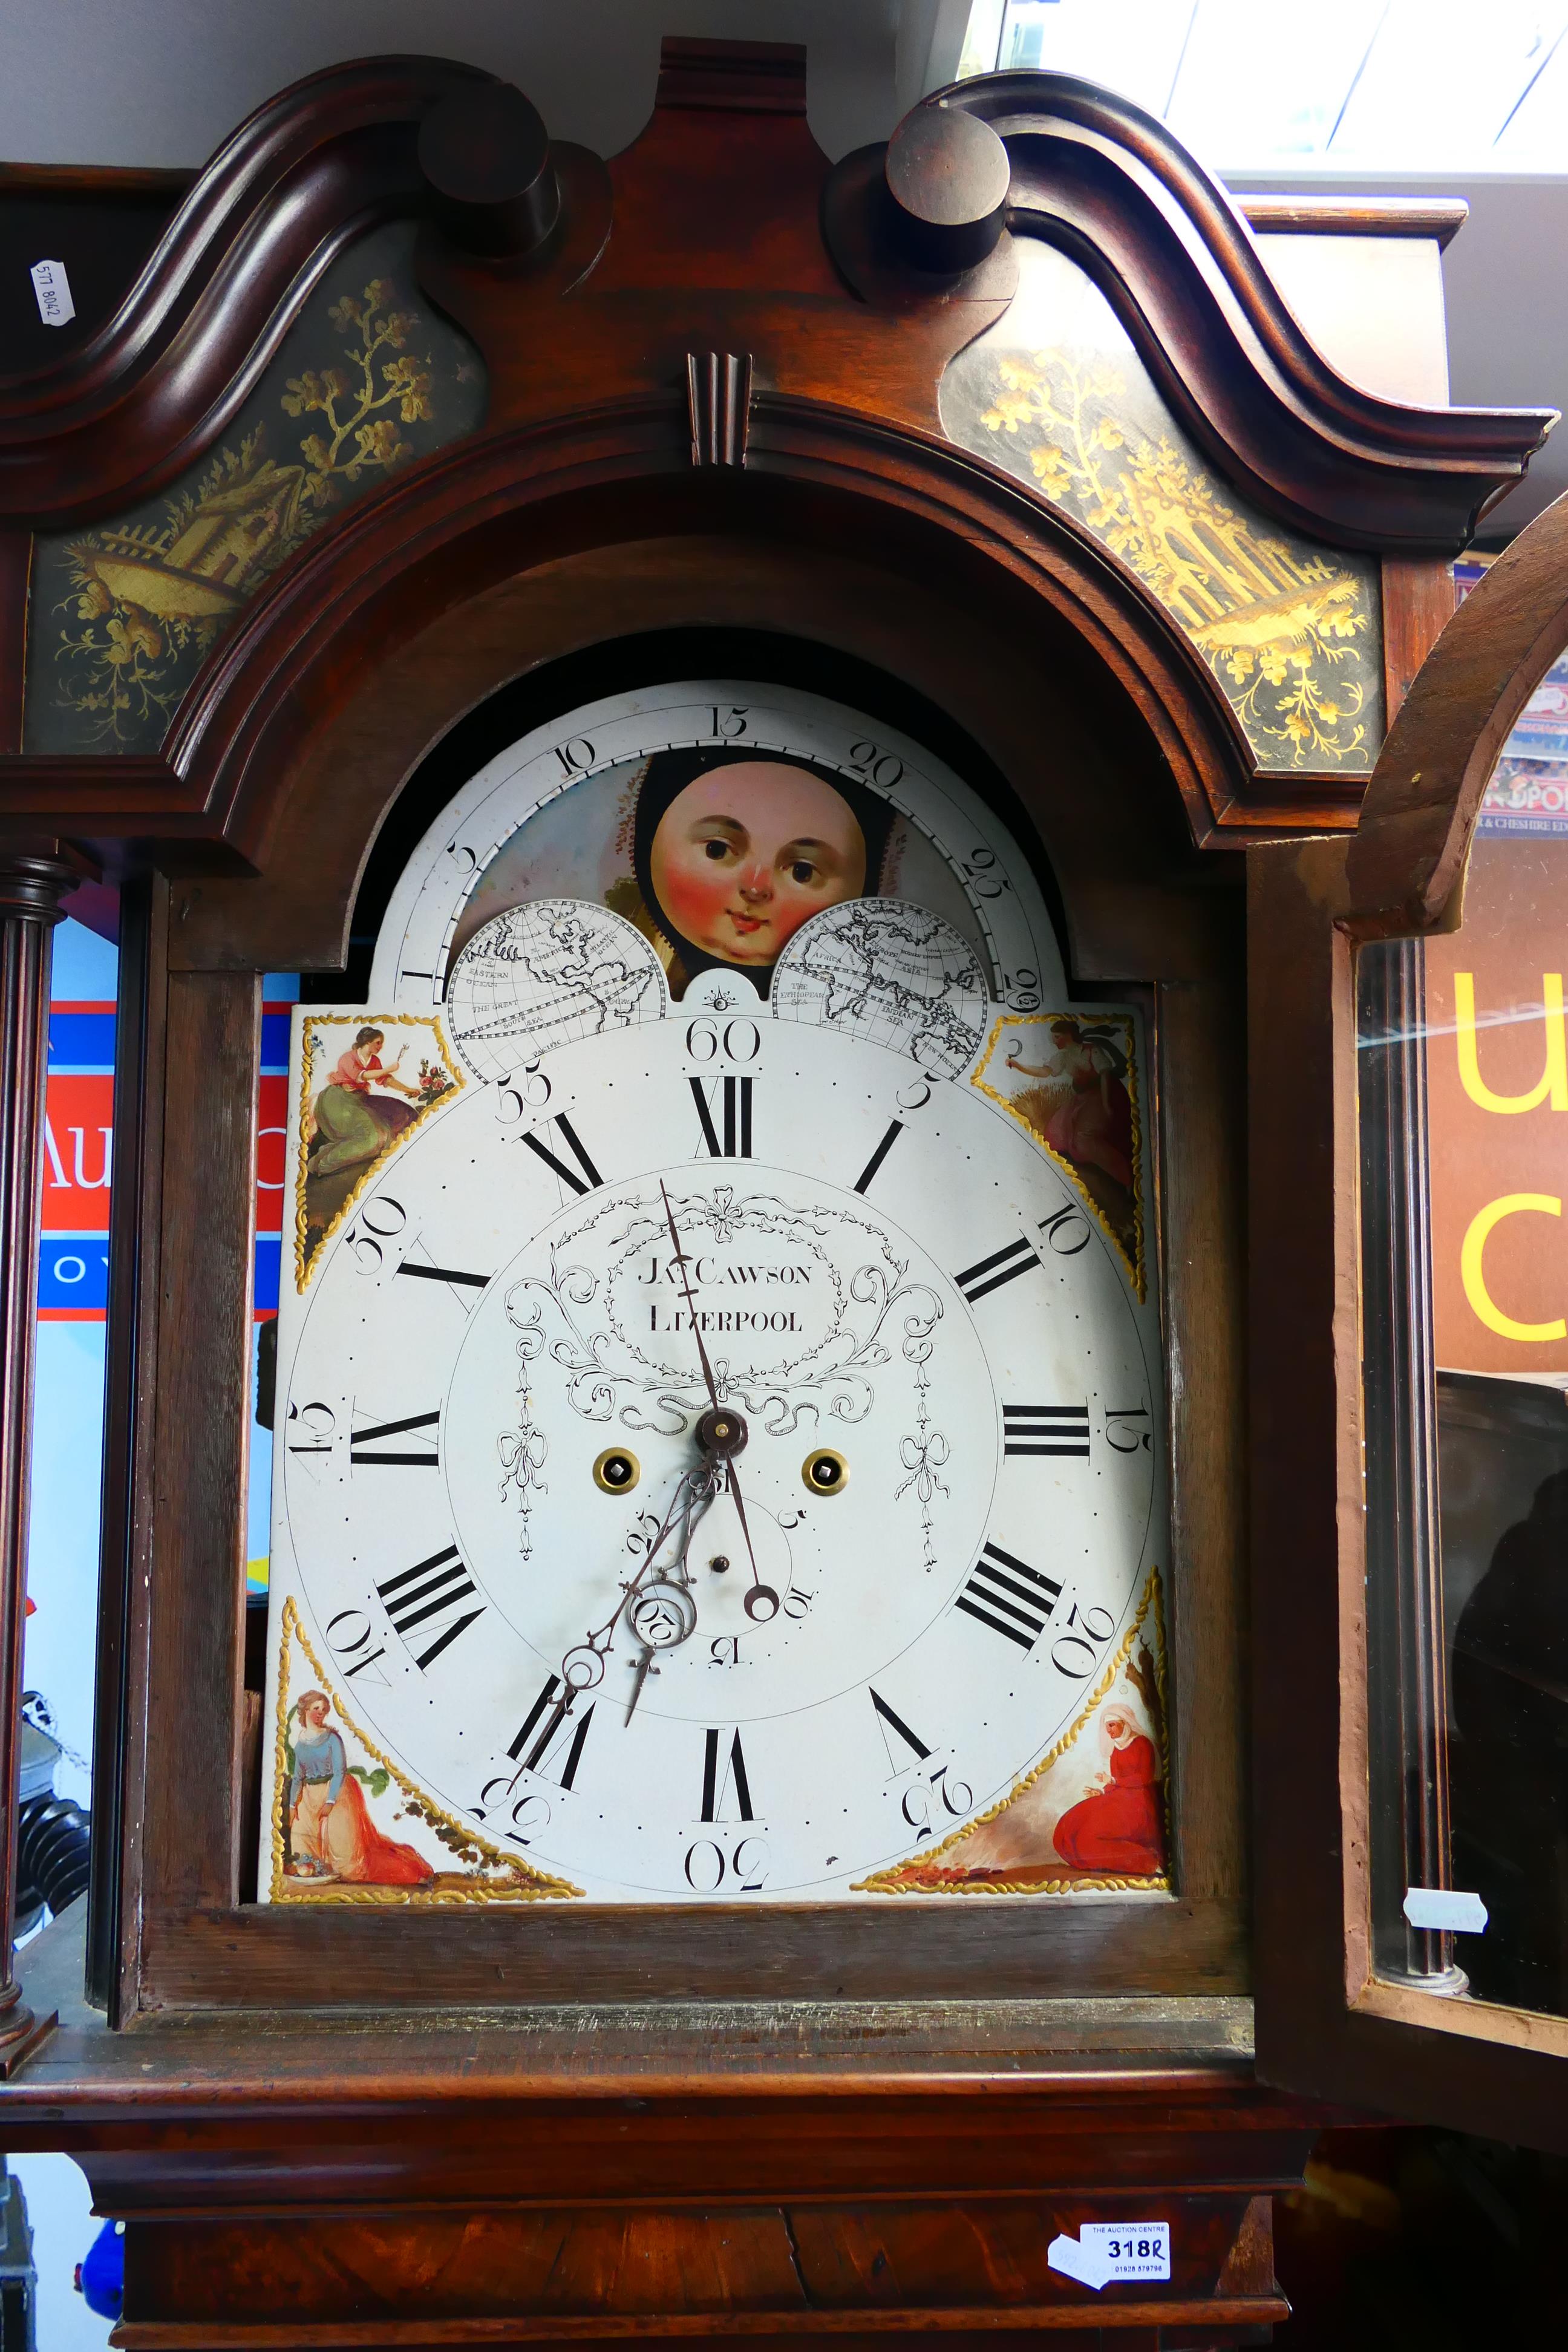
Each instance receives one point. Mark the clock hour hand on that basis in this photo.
(673, 1617)
(663, 1613)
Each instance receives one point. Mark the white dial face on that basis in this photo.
(718, 1441)
(943, 1510)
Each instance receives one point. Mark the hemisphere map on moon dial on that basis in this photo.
(546, 974)
(555, 969)
(891, 973)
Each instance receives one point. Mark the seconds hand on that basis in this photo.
(758, 1587)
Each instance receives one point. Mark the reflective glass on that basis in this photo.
(60, 1656)
(1464, 1119)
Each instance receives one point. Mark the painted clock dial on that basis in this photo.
(720, 1408)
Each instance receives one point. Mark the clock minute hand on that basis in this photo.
(726, 1432)
(681, 1260)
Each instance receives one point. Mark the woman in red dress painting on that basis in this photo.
(350, 1124)
(1116, 1829)
(331, 1833)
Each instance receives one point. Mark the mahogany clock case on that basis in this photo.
(804, 497)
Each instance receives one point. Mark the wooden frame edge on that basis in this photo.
(1326, 2027)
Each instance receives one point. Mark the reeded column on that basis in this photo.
(33, 879)
(1407, 1730)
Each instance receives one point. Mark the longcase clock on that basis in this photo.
(745, 691)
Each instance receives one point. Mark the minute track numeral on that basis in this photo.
(417, 1594)
(989, 1274)
(1009, 1596)
(1046, 1429)
(363, 1440)
(732, 1098)
(585, 1177)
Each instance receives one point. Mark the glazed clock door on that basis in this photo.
(720, 1415)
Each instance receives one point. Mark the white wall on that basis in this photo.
(59, 2206)
(163, 81)
(1507, 323)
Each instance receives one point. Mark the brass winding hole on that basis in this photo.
(825, 1472)
(617, 1470)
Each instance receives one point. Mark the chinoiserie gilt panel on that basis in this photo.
(369, 378)
(1057, 394)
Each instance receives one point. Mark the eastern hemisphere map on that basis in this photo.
(891, 973)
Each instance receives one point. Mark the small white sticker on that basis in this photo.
(53, 289)
(1441, 1908)
(1104, 2250)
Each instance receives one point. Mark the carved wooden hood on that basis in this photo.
(396, 345)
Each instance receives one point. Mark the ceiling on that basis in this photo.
(1391, 85)
(162, 81)
(1413, 96)
(1508, 327)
